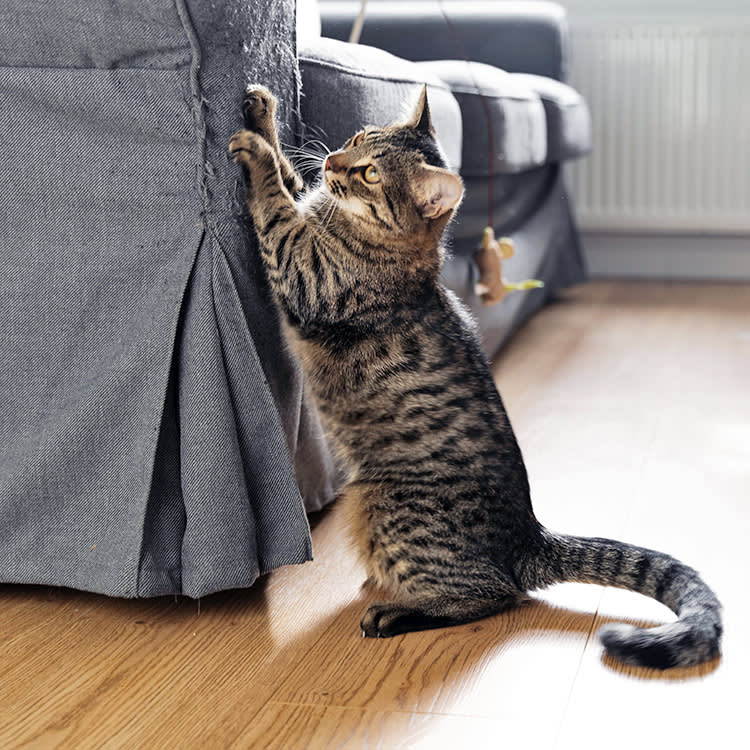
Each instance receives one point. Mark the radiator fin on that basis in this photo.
(670, 106)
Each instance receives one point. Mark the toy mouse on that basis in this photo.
(492, 287)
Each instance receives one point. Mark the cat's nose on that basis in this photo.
(333, 163)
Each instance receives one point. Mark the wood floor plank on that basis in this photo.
(480, 669)
(286, 726)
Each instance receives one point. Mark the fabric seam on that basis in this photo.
(200, 121)
(199, 103)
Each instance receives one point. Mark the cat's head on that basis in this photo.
(395, 179)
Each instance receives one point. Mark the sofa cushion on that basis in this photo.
(519, 125)
(346, 86)
(568, 118)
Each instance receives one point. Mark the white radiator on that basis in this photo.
(670, 104)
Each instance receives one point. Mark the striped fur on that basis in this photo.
(437, 494)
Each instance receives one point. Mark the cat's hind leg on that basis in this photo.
(259, 115)
(385, 619)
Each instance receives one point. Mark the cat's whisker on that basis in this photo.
(330, 211)
(329, 204)
(319, 144)
(304, 152)
(312, 148)
(314, 130)
(309, 164)
(306, 160)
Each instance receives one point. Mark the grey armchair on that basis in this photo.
(519, 57)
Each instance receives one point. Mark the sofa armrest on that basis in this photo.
(523, 37)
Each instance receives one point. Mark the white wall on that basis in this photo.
(666, 191)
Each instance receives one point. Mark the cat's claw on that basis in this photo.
(258, 109)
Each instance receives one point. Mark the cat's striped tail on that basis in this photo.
(695, 636)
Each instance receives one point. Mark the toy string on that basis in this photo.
(488, 115)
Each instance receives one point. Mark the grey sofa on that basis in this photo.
(519, 57)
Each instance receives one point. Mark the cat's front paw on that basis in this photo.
(245, 145)
(258, 110)
(385, 619)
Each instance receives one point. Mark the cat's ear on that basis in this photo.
(420, 118)
(436, 191)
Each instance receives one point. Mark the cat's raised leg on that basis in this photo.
(259, 115)
(283, 233)
(265, 193)
(385, 619)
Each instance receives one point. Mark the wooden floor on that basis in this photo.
(631, 402)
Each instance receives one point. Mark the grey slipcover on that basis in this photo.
(151, 422)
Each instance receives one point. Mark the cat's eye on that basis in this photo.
(371, 174)
(358, 138)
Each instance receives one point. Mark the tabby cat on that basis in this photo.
(437, 489)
